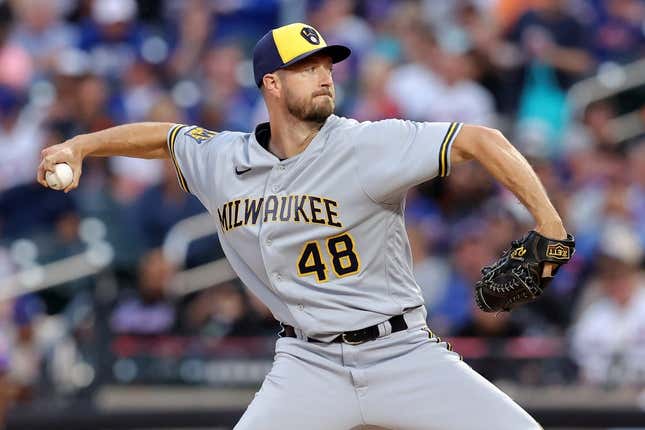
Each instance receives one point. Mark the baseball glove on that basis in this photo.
(516, 278)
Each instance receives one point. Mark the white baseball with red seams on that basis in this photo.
(61, 177)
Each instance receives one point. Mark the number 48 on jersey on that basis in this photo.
(340, 252)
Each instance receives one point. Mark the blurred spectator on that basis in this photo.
(414, 86)
(29, 210)
(471, 251)
(490, 55)
(636, 193)
(148, 310)
(469, 101)
(92, 99)
(618, 31)
(217, 312)
(20, 138)
(160, 207)
(549, 34)
(141, 91)
(7, 389)
(258, 320)
(138, 101)
(40, 31)
(193, 36)
(337, 20)
(607, 338)
(468, 188)
(374, 102)
(554, 47)
(24, 360)
(487, 325)
(228, 104)
(431, 267)
(16, 65)
(112, 36)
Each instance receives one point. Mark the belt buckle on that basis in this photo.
(350, 342)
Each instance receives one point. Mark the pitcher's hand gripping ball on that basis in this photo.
(61, 177)
(516, 278)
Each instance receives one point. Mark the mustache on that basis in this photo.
(323, 93)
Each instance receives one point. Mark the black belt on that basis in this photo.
(355, 337)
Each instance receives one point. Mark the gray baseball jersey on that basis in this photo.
(319, 237)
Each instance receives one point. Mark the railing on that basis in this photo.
(175, 249)
(32, 277)
(611, 80)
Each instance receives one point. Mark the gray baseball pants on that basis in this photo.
(407, 380)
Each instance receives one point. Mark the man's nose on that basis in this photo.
(325, 79)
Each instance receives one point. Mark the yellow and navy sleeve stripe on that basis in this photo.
(172, 137)
(444, 149)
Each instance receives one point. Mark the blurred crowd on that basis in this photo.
(78, 66)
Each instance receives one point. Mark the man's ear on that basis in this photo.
(271, 83)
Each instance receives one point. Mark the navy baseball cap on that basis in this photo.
(289, 44)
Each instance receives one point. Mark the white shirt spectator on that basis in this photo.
(414, 88)
(423, 96)
(465, 101)
(20, 146)
(609, 341)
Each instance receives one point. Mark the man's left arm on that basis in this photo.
(495, 153)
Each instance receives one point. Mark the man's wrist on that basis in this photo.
(81, 146)
(553, 229)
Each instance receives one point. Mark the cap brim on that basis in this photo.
(337, 53)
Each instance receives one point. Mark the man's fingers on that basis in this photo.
(49, 162)
(40, 175)
(60, 153)
(42, 170)
(75, 181)
(547, 270)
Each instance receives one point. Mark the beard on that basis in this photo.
(315, 109)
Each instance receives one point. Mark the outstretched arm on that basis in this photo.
(139, 140)
(496, 154)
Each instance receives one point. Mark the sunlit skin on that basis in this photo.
(311, 104)
(299, 99)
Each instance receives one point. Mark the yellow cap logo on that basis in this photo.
(296, 39)
(310, 35)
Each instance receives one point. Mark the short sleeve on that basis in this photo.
(191, 150)
(394, 155)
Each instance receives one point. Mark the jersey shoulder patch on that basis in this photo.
(200, 135)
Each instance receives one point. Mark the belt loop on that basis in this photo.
(415, 316)
(300, 334)
(384, 329)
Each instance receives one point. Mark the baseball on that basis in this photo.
(61, 177)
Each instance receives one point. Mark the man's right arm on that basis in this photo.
(139, 140)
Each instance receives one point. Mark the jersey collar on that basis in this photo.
(259, 142)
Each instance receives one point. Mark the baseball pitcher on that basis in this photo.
(309, 211)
